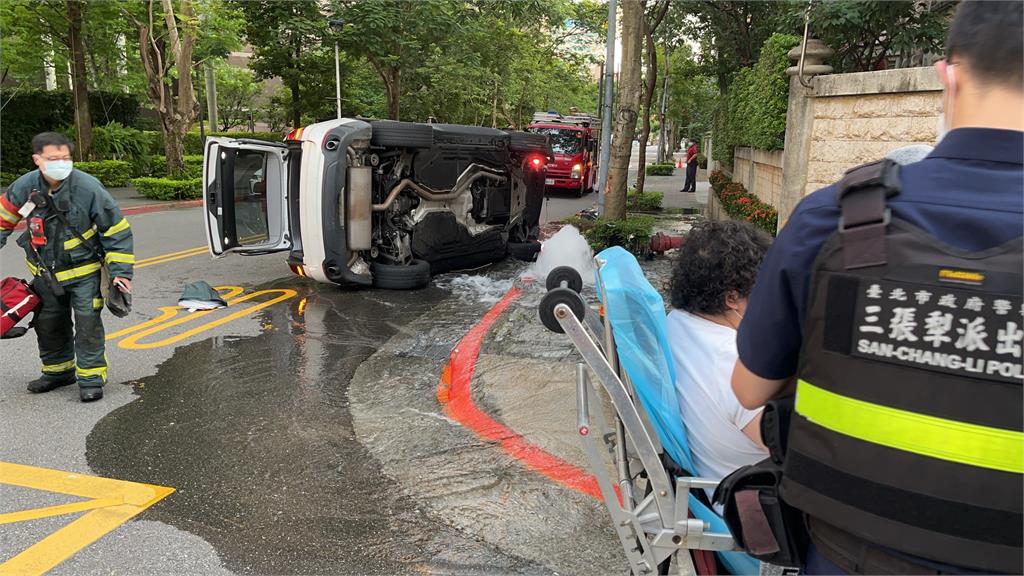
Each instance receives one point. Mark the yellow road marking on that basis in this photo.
(167, 313)
(59, 510)
(164, 258)
(109, 504)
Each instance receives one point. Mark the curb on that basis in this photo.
(145, 209)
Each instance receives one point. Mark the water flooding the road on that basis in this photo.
(256, 436)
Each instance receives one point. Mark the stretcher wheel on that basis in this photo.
(564, 277)
(555, 297)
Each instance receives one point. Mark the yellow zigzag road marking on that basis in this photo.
(109, 503)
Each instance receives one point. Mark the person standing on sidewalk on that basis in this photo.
(72, 220)
(691, 168)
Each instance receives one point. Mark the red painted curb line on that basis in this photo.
(455, 394)
(145, 209)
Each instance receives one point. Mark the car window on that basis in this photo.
(251, 198)
(562, 141)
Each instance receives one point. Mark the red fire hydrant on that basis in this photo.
(661, 242)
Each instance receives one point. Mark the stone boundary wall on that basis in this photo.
(760, 172)
(848, 119)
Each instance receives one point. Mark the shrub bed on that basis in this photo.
(632, 233)
(193, 166)
(645, 202)
(111, 173)
(167, 189)
(660, 169)
(742, 205)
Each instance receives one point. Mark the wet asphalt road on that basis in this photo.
(249, 422)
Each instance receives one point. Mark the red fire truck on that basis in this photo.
(574, 142)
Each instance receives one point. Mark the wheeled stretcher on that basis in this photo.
(660, 512)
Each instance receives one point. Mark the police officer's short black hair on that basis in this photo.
(989, 36)
(44, 139)
(718, 257)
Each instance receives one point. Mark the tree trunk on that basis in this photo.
(80, 89)
(649, 27)
(296, 108)
(393, 83)
(628, 102)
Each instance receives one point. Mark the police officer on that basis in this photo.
(891, 302)
(72, 222)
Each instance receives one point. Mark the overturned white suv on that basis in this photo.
(377, 202)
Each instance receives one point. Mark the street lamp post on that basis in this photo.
(336, 25)
(606, 112)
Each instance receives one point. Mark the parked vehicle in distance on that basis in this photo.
(574, 143)
(377, 202)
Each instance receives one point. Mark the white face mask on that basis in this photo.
(946, 116)
(58, 169)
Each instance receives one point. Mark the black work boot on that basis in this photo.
(47, 383)
(90, 394)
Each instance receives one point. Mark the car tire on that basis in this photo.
(401, 134)
(525, 251)
(410, 276)
(529, 142)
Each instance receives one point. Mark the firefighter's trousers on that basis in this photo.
(67, 347)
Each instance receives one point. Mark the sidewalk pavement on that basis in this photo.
(671, 187)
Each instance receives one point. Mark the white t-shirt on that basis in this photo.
(704, 354)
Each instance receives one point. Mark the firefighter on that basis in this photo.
(891, 303)
(72, 222)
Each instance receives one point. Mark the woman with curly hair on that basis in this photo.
(711, 281)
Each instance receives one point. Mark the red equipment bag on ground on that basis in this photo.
(17, 300)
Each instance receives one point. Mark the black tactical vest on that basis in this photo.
(908, 424)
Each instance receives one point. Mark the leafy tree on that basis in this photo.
(395, 36)
(875, 35)
(237, 90)
(652, 20)
(167, 36)
(289, 41)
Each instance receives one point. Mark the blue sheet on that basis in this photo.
(637, 314)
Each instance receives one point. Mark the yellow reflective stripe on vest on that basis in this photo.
(97, 303)
(58, 368)
(78, 272)
(122, 225)
(8, 216)
(75, 242)
(121, 257)
(930, 436)
(70, 274)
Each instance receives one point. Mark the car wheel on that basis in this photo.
(525, 251)
(401, 134)
(529, 142)
(416, 274)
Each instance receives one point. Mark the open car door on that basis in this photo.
(245, 196)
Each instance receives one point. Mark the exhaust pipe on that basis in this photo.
(461, 185)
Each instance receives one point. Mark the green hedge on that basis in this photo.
(646, 202)
(7, 177)
(753, 110)
(29, 112)
(742, 205)
(112, 173)
(167, 189)
(632, 233)
(660, 169)
(193, 166)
